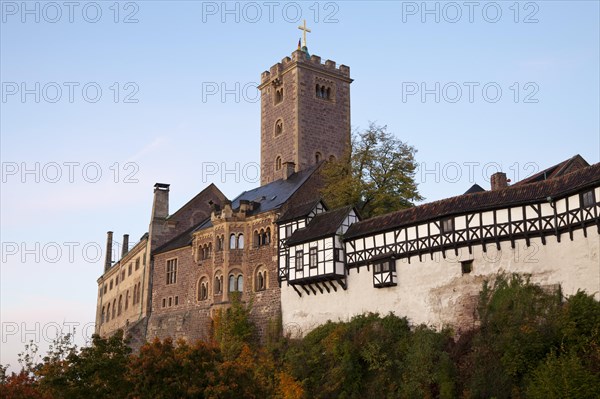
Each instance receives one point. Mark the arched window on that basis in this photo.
(256, 239)
(278, 96)
(268, 236)
(232, 241)
(120, 305)
(317, 91)
(260, 279)
(108, 312)
(103, 314)
(218, 284)
(203, 289)
(328, 93)
(236, 282)
(134, 294)
(278, 127)
(126, 299)
(240, 241)
(322, 91)
(114, 311)
(318, 157)
(278, 163)
(219, 243)
(332, 158)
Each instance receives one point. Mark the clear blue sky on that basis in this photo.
(543, 56)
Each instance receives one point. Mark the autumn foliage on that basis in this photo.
(530, 343)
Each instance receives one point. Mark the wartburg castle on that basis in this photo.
(300, 263)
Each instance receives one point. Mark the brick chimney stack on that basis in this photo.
(108, 257)
(160, 208)
(499, 181)
(125, 248)
(289, 168)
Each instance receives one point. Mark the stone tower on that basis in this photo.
(305, 114)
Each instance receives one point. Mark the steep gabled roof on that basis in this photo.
(268, 197)
(558, 187)
(570, 165)
(299, 211)
(322, 225)
(211, 187)
(182, 240)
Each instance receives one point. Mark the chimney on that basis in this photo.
(108, 257)
(289, 168)
(125, 248)
(227, 211)
(160, 207)
(499, 181)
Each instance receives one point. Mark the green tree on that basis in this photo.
(520, 325)
(233, 328)
(96, 371)
(163, 370)
(376, 175)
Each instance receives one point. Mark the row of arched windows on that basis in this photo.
(323, 92)
(235, 283)
(115, 309)
(206, 251)
(262, 237)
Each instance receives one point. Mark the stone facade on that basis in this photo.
(122, 290)
(129, 280)
(211, 269)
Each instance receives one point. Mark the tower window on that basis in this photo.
(278, 127)
(323, 92)
(278, 96)
(318, 157)
(278, 163)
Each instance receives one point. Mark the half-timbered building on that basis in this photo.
(428, 262)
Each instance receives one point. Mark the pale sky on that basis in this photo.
(99, 102)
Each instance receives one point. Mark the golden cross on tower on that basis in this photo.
(304, 29)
